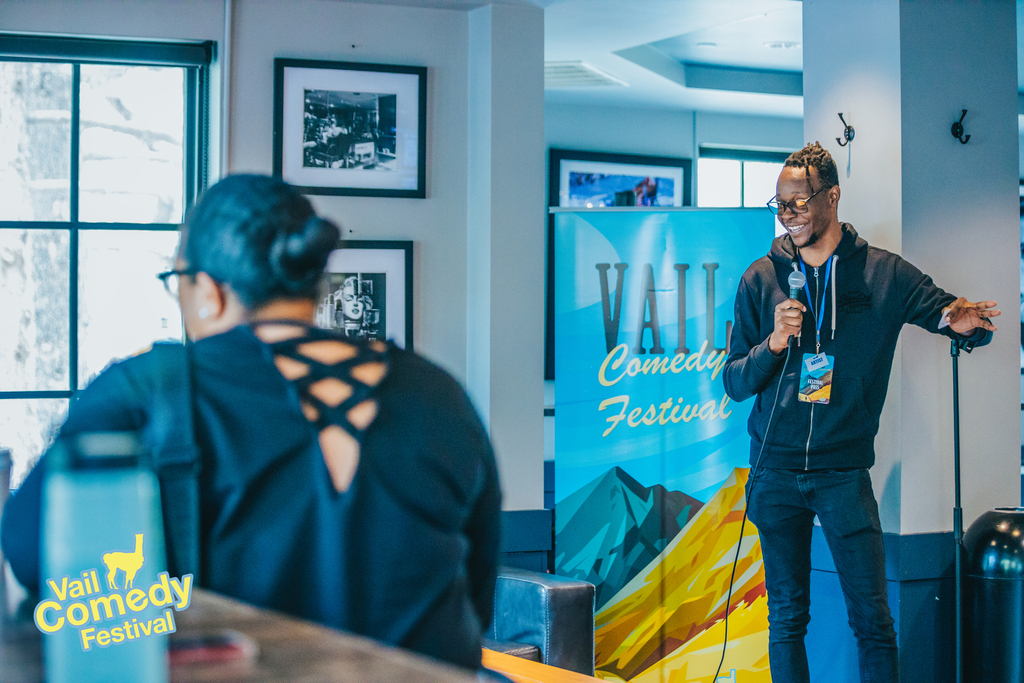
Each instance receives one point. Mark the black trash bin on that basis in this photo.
(994, 598)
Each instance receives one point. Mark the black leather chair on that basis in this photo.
(543, 617)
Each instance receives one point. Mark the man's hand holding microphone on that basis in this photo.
(789, 316)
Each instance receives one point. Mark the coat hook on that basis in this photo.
(848, 132)
(958, 129)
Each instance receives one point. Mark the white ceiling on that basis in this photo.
(617, 36)
(704, 55)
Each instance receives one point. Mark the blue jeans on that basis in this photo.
(783, 506)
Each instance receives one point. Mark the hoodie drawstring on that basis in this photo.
(835, 261)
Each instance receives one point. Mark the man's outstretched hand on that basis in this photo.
(965, 316)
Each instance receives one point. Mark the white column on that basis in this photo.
(506, 241)
(852, 65)
(961, 225)
(901, 72)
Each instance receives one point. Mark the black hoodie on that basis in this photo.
(870, 295)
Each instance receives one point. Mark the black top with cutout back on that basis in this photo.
(405, 552)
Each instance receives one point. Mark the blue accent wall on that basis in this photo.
(919, 570)
(526, 539)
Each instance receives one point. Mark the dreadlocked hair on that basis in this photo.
(817, 157)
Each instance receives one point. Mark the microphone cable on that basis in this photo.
(749, 495)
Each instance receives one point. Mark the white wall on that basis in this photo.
(901, 72)
(961, 223)
(261, 30)
(505, 312)
(752, 132)
(183, 20)
(857, 71)
(319, 29)
(654, 132)
(661, 132)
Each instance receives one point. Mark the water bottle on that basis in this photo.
(105, 608)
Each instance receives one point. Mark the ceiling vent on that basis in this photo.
(576, 75)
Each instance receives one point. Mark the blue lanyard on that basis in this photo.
(810, 300)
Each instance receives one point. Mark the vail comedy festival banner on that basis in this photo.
(650, 454)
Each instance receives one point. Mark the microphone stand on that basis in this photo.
(958, 513)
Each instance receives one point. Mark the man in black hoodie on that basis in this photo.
(820, 381)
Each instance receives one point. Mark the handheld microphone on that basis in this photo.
(796, 283)
(797, 280)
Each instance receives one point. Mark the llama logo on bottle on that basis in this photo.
(79, 602)
(129, 563)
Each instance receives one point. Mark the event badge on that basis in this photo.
(816, 378)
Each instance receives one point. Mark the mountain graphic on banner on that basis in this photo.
(612, 528)
(667, 624)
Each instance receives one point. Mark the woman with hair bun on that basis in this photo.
(345, 482)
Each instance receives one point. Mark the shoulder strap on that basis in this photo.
(175, 456)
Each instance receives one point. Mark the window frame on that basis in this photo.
(741, 155)
(195, 58)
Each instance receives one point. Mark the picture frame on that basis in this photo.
(348, 128)
(593, 179)
(599, 179)
(368, 292)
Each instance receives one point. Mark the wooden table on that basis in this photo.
(528, 671)
(289, 649)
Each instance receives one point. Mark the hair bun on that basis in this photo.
(297, 259)
(259, 235)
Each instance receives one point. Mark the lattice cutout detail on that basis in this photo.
(335, 380)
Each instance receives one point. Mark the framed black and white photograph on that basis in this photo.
(368, 292)
(345, 128)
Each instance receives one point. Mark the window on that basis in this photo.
(102, 150)
(737, 177)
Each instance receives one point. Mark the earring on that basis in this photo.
(203, 313)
